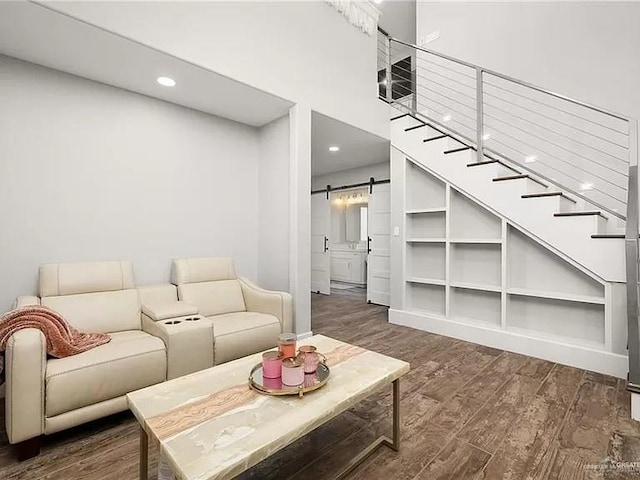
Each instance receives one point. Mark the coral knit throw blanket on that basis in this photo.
(62, 339)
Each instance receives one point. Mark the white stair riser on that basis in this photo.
(452, 144)
(549, 204)
(398, 126)
(521, 186)
(505, 171)
(423, 132)
(588, 224)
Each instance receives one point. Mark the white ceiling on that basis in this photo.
(357, 147)
(39, 35)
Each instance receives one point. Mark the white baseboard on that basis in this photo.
(586, 358)
(302, 336)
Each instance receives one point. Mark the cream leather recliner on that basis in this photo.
(246, 319)
(44, 395)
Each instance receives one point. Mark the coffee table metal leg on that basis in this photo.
(144, 455)
(393, 443)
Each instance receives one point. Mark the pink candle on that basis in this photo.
(272, 364)
(292, 372)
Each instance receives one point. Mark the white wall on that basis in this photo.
(306, 52)
(379, 171)
(398, 19)
(90, 172)
(585, 50)
(273, 200)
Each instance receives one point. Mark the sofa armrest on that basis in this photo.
(26, 301)
(278, 304)
(189, 344)
(26, 363)
(165, 310)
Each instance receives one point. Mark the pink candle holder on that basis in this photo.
(310, 379)
(272, 364)
(292, 372)
(311, 358)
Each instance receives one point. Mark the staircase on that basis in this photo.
(559, 171)
(545, 210)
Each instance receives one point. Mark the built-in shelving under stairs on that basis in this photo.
(495, 256)
(554, 217)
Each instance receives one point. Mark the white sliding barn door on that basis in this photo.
(378, 260)
(320, 257)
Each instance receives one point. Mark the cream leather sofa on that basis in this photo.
(158, 332)
(245, 318)
(46, 395)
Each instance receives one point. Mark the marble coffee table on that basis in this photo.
(211, 425)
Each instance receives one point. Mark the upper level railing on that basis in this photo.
(581, 149)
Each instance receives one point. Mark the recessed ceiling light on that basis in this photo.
(446, 118)
(334, 149)
(166, 81)
(530, 159)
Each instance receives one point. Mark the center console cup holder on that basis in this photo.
(173, 322)
(192, 319)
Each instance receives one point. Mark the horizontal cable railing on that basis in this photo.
(586, 151)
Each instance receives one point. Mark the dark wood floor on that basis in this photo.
(468, 412)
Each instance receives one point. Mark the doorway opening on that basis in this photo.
(350, 211)
(349, 236)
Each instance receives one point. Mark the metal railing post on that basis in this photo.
(479, 116)
(389, 89)
(414, 84)
(631, 252)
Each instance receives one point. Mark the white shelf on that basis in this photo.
(496, 241)
(427, 281)
(426, 210)
(426, 240)
(556, 296)
(476, 286)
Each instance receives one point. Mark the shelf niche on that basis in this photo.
(426, 260)
(423, 190)
(533, 268)
(470, 221)
(426, 298)
(426, 225)
(476, 263)
(476, 306)
(560, 319)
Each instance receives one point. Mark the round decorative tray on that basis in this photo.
(274, 386)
